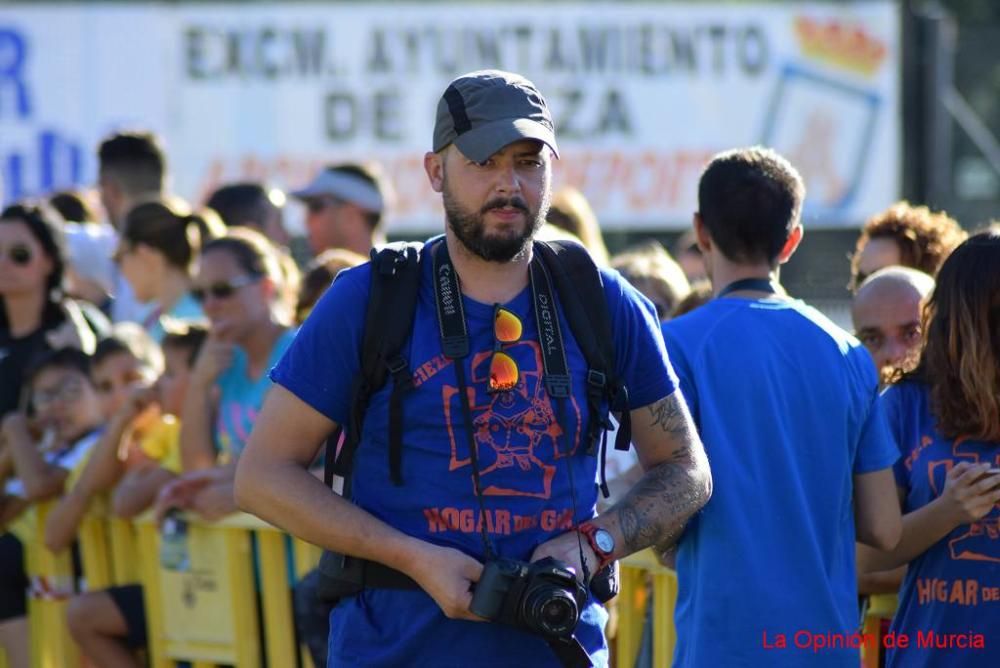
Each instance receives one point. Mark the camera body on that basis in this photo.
(543, 597)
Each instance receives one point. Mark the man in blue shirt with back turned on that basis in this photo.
(801, 457)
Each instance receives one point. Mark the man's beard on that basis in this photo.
(470, 228)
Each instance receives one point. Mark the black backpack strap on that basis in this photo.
(392, 303)
(581, 293)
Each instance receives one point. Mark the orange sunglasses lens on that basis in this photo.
(506, 326)
(503, 372)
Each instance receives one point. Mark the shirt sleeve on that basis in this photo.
(876, 448)
(640, 353)
(320, 365)
(892, 401)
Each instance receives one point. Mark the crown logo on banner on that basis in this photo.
(841, 44)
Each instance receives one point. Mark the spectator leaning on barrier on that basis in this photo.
(886, 312)
(906, 235)
(945, 418)
(786, 405)
(345, 204)
(38, 454)
(241, 286)
(493, 146)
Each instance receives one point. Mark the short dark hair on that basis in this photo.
(72, 359)
(135, 160)
(72, 207)
(750, 199)
(247, 204)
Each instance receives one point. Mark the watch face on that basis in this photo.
(605, 541)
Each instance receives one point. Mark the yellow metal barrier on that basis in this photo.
(880, 608)
(209, 612)
(52, 577)
(645, 582)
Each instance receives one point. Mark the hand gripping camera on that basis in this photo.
(543, 597)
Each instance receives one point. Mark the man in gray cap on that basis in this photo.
(489, 456)
(344, 208)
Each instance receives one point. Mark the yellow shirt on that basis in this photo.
(162, 443)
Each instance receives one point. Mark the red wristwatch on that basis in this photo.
(601, 542)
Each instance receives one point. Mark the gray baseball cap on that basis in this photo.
(343, 185)
(481, 112)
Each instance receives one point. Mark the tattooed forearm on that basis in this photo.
(660, 504)
(669, 414)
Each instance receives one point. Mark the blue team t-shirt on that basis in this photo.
(523, 457)
(241, 397)
(786, 404)
(953, 589)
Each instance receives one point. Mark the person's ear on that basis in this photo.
(434, 166)
(791, 243)
(702, 234)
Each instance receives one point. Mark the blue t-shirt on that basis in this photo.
(786, 404)
(523, 459)
(241, 397)
(186, 309)
(953, 589)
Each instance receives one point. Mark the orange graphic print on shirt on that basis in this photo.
(517, 434)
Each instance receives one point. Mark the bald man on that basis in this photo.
(886, 315)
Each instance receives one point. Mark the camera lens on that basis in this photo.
(551, 611)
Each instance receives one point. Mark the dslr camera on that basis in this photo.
(543, 597)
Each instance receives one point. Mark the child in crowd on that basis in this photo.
(141, 453)
(40, 447)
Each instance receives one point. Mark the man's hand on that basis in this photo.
(969, 492)
(448, 576)
(566, 548)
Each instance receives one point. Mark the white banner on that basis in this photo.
(642, 94)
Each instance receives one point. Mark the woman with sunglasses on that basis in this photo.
(156, 255)
(244, 291)
(945, 417)
(35, 314)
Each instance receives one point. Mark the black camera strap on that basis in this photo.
(455, 345)
(570, 652)
(557, 380)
